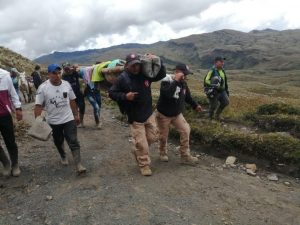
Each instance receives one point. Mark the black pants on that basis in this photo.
(66, 131)
(218, 103)
(7, 131)
(80, 103)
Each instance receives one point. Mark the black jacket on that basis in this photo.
(37, 80)
(73, 79)
(140, 109)
(173, 96)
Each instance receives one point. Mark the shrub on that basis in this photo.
(278, 108)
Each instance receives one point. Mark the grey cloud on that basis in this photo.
(35, 27)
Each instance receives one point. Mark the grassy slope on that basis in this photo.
(251, 89)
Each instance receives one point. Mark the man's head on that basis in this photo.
(14, 72)
(54, 73)
(67, 68)
(183, 68)
(37, 67)
(75, 67)
(219, 62)
(133, 64)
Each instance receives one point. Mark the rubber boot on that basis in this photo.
(77, 159)
(81, 125)
(16, 172)
(6, 163)
(98, 122)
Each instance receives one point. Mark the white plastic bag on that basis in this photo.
(40, 129)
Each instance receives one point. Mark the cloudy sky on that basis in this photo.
(35, 27)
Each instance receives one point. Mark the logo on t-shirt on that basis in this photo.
(147, 83)
(58, 101)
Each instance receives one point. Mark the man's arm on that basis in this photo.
(116, 92)
(75, 111)
(38, 110)
(226, 85)
(208, 77)
(190, 100)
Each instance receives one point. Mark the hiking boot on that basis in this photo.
(219, 118)
(164, 158)
(64, 161)
(77, 159)
(99, 125)
(189, 160)
(81, 125)
(80, 168)
(6, 163)
(16, 172)
(7, 171)
(146, 171)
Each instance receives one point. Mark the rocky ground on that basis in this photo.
(114, 192)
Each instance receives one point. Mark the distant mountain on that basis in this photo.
(258, 49)
(10, 59)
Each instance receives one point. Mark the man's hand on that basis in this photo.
(130, 96)
(199, 108)
(179, 76)
(19, 115)
(38, 110)
(77, 119)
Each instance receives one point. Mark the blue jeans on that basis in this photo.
(94, 98)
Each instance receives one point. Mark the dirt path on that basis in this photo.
(113, 191)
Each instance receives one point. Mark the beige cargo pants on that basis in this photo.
(180, 124)
(144, 134)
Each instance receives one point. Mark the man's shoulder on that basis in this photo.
(45, 84)
(168, 78)
(65, 83)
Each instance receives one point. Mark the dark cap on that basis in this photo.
(184, 68)
(132, 59)
(220, 58)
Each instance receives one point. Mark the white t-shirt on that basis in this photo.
(56, 100)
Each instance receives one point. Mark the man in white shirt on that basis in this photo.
(9, 102)
(58, 99)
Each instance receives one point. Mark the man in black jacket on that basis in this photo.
(71, 75)
(132, 91)
(36, 76)
(174, 93)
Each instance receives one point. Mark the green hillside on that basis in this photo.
(266, 49)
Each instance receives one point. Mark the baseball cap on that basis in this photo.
(220, 58)
(184, 68)
(132, 59)
(53, 67)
